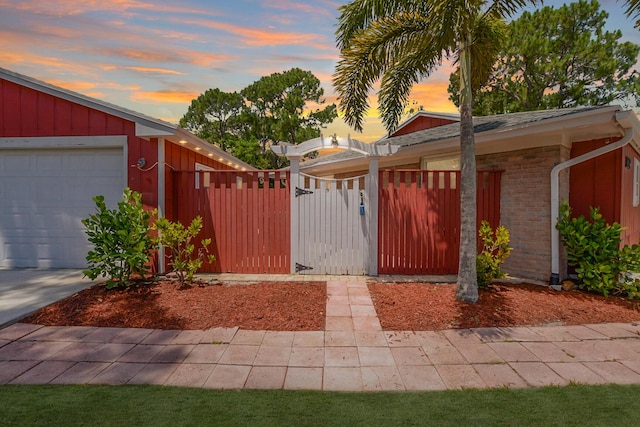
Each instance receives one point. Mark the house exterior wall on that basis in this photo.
(179, 158)
(525, 205)
(607, 183)
(421, 123)
(37, 114)
(596, 182)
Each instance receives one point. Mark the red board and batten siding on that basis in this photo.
(419, 219)
(179, 158)
(246, 217)
(607, 183)
(629, 214)
(421, 123)
(596, 182)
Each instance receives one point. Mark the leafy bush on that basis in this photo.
(593, 247)
(175, 237)
(122, 244)
(495, 251)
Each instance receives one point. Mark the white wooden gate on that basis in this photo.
(329, 235)
(333, 225)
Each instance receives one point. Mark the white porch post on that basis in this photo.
(372, 189)
(294, 172)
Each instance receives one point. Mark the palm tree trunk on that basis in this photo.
(467, 285)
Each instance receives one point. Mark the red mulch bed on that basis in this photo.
(276, 306)
(300, 306)
(418, 306)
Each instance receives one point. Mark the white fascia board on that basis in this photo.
(144, 131)
(197, 145)
(63, 142)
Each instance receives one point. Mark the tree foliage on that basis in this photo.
(215, 116)
(401, 42)
(558, 58)
(281, 107)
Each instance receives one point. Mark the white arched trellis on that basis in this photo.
(328, 226)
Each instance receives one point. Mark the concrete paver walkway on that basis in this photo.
(353, 353)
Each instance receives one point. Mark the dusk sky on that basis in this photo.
(154, 57)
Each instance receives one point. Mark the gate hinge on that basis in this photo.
(300, 267)
(302, 191)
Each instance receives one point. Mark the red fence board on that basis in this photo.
(246, 215)
(419, 219)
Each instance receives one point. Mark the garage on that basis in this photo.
(45, 192)
(59, 149)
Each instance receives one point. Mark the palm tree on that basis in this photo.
(633, 11)
(401, 42)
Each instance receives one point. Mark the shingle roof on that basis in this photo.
(481, 124)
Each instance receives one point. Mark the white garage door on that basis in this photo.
(44, 194)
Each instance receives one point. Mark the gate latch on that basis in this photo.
(361, 203)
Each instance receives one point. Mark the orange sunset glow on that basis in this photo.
(155, 56)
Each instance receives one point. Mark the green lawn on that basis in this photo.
(168, 406)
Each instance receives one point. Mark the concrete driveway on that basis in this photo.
(25, 290)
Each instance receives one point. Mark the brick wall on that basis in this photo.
(525, 206)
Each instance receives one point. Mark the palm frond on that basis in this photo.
(378, 48)
(359, 14)
(397, 83)
(485, 48)
(633, 11)
(502, 9)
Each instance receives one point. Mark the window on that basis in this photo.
(441, 163)
(636, 182)
(206, 176)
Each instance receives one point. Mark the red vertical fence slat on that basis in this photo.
(419, 219)
(247, 219)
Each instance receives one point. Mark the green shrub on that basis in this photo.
(593, 247)
(175, 237)
(495, 250)
(121, 240)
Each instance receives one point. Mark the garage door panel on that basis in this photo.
(16, 165)
(42, 206)
(50, 163)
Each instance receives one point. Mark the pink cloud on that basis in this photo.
(291, 5)
(164, 96)
(153, 70)
(261, 37)
(75, 7)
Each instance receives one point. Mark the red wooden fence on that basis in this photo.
(246, 215)
(419, 219)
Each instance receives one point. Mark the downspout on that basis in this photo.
(623, 119)
(161, 197)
